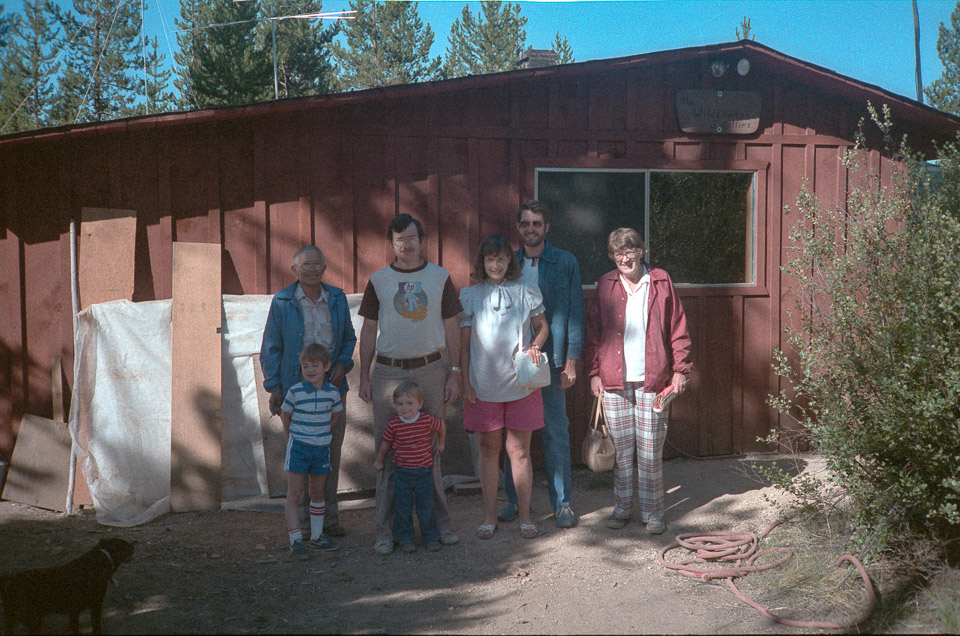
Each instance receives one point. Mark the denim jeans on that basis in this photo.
(555, 439)
(414, 487)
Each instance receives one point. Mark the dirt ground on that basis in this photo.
(231, 572)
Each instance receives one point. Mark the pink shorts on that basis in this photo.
(525, 414)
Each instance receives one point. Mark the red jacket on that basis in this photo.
(668, 342)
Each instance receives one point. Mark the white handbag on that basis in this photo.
(530, 375)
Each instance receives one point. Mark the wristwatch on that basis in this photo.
(457, 369)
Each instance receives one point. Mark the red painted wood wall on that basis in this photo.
(460, 156)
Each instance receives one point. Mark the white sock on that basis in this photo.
(295, 535)
(317, 510)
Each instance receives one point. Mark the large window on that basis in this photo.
(699, 226)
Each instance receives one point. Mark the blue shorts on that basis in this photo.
(307, 459)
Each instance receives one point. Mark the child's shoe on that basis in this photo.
(323, 542)
(298, 550)
(407, 546)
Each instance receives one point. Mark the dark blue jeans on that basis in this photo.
(414, 487)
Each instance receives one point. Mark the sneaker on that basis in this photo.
(508, 512)
(566, 518)
(433, 546)
(383, 547)
(323, 542)
(656, 526)
(449, 537)
(334, 530)
(407, 547)
(298, 550)
(616, 523)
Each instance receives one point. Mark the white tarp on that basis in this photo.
(120, 412)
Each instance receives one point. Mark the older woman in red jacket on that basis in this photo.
(636, 345)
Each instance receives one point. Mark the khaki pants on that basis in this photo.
(432, 379)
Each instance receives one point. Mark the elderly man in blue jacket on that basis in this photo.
(309, 311)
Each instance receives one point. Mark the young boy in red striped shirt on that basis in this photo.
(410, 434)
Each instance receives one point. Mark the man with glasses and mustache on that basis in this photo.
(304, 312)
(410, 333)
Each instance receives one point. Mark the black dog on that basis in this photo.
(67, 589)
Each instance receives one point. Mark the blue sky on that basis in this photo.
(868, 40)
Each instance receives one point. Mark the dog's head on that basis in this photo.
(119, 550)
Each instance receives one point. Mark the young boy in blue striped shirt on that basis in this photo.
(310, 410)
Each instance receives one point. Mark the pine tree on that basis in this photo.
(490, 43)
(386, 43)
(304, 66)
(944, 93)
(563, 50)
(4, 28)
(29, 67)
(222, 65)
(159, 99)
(100, 79)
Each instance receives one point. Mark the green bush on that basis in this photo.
(874, 360)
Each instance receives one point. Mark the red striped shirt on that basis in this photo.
(411, 440)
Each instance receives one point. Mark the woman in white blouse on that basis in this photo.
(498, 313)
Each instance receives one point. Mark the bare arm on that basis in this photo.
(451, 332)
(285, 418)
(382, 455)
(467, 390)
(368, 346)
(541, 332)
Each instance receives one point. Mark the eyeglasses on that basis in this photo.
(627, 255)
(408, 240)
(314, 266)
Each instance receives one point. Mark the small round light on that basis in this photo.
(743, 66)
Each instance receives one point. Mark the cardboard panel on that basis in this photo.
(107, 244)
(40, 466)
(274, 441)
(195, 423)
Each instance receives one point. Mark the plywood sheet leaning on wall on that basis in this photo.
(106, 255)
(39, 467)
(195, 427)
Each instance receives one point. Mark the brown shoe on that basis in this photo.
(616, 523)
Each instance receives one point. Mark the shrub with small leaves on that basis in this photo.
(874, 358)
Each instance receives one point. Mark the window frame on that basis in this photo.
(760, 169)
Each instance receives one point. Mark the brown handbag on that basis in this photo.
(599, 453)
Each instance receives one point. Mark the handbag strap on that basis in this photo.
(595, 420)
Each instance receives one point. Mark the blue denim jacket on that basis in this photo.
(283, 338)
(559, 279)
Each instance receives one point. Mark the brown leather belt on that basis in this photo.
(410, 363)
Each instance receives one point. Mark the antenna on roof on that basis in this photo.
(325, 15)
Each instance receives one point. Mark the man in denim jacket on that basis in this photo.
(307, 311)
(556, 274)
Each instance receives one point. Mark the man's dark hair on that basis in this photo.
(537, 208)
(401, 223)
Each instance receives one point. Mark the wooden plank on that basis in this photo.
(107, 243)
(195, 423)
(274, 441)
(40, 466)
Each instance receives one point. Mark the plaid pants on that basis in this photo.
(636, 431)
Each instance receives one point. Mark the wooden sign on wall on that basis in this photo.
(718, 112)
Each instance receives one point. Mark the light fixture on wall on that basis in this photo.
(718, 68)
(743, 66)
